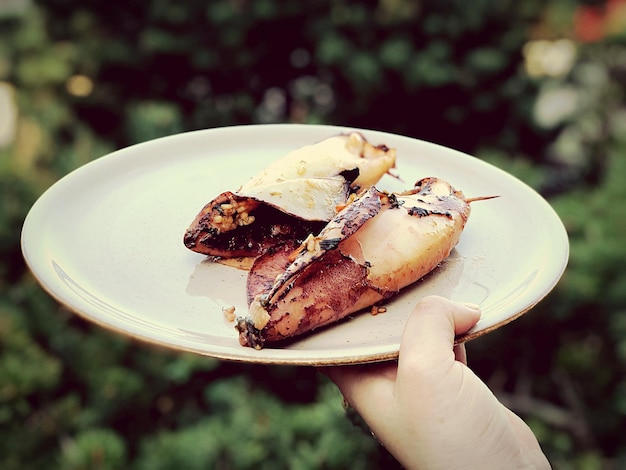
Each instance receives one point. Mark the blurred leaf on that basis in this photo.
(333, 49)
(431, 67)
(364, 71)
(97, 449)
(221, 11)
(149, 120)
(487, 60)
(156, 40)
(396, 52)
(24, 367)
(265, 8)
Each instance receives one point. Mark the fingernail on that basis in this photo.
(470, 306)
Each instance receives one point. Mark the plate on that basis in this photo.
(106, 241)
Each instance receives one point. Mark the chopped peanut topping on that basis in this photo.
(232, 214)
(310, 243)
(229, 313)
(349, 201)
(375, 310)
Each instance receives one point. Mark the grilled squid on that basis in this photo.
(377, 245)
(290, 199)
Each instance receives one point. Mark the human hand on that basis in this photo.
(430, 410)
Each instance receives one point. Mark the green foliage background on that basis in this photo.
(73, 396)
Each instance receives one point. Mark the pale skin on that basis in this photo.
(429, 409)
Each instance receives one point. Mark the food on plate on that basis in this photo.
(378, 244)
(290, 199)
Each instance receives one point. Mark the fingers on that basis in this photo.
(429, 334)
(429, 401)
(460, 354)
(367, 383)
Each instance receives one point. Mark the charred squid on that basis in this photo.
(378, 244)
(290, 199)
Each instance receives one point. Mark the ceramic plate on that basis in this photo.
(106, 241)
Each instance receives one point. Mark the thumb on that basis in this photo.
(430, 330)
